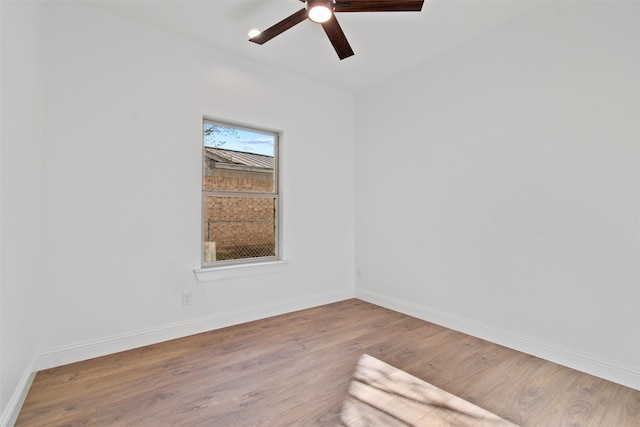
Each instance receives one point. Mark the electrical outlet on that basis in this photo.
(186, 298)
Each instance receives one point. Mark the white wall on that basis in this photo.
(116, 186)
(21, 194)
(497, 187)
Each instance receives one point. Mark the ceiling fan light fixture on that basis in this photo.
(253, 32)
(319, 11)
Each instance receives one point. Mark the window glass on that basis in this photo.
(240, 194)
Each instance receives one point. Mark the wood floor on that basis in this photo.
(294, 370)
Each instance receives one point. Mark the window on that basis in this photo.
(239, 194)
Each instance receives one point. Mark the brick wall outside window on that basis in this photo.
(241, 226)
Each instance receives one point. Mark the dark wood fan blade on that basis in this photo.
(337, 37)
(378, 5)
(280, 27)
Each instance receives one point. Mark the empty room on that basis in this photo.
(202, 226)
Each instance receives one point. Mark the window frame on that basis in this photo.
(275, 195)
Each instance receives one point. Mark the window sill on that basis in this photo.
(211, 274)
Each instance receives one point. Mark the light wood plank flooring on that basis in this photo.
(294, 370)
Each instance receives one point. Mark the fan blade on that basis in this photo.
(378, 5)
(337, 37)
(280, 27)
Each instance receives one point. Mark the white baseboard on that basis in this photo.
(113, 344)
(12, 410)
(614, 372)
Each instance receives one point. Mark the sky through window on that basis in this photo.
(239, 139)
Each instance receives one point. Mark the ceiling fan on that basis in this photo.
(322, 12)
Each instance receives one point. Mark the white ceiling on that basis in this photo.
(385, 43)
